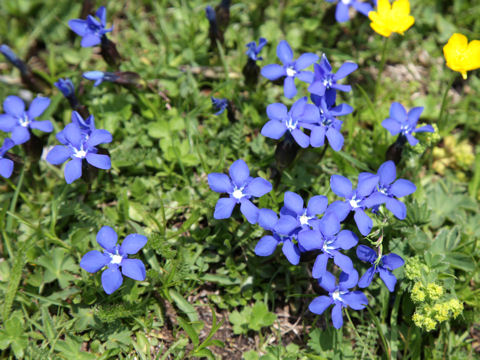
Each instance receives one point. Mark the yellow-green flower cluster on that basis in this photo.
(455, 154)
(428, 316)
(414, 268)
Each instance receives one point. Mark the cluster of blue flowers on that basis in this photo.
(317, 226)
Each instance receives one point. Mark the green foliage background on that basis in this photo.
(205, 289)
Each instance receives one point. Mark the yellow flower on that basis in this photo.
(462, 56)
(391, 18)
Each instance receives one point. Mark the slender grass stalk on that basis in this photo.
(358, 336)
(440, 121)
(381, 67)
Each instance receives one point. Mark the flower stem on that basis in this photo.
(381, 67)
(358, 335)
(441, 124)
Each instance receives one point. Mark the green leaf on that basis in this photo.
(184, 305)
(261, 317)
(192, 334)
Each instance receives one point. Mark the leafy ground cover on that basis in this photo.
(206, 293)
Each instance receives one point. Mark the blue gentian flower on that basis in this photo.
(327, 237)
(220, 105)
(383, 266)
(300, 115)
(13, 58)
(91, 30)
(210, 13)
(115, 257)
(338, 295)
(294, 216)
(325, 81)
(405, 124)
(77, 146)
(87, 126)
(268, 220)
(355, 200)
(388, 189)
(291, 68)
(18, 121)
(66, 87)
(6, 165)
(100, 76)
(343, 6)
(240, 187)
(328, 124)
(254, 50)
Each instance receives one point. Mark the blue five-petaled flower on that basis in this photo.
(6, 165)
(343, 6)
(220, 105)
(401, 122)
(240, 187)
(291, 68)
(18, 121)
(253, 49)
(77, 146)
(383, 266)
(66, 87)
(100, 76)
(338, 295)
(115, 257)
(91, 30)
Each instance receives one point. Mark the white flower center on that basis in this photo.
(290, 71)
(354, 202)
(304, 219)
(327, 83)
(337, 296)
(24, 120)
(326, 247)
(346, 2)
(291, 124)
(116, 259)
(237, 194)
(79, 153)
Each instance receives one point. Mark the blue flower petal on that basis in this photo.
(346, 240)
(305, 60)
(411, 139)
(266, 246)
(132, 244)
(78, 26)
(310, 240)
(13, 105)
(345, 70)
(340, 208)
(425, 128)
(319, 270)
(249, 210)
(388, 278)
(220, 183)
(38, 106)
(99, 136)
(273, 71)
(329, 224)
(402, 187)
(224, 208)
(317, 136)
(337, 317)
(367, 184)
(364, 223)
(277, 111)
(320, 304)
(107, 238)
(356, 300)
(347, 280)
(397, 208)
(73, 134)
(398, 112)
(267, 219)
(274, 129)
(6, 167)
(45, 126)
(364, 253)
(317, 205)
(111, 279)
(335, 139)
(286, 224)
(367, 278)
(341, 186)
(317, 88)
(343, 262)
(93, 261)
(90, 40)
(20, 135)
(293, 202)
(392, 261)
(258, 187)
(305, 76)
(239, 173)
(328, 281)
(289, 88)
(414, 114)
(393, 126)
(99, 161)
(291, 252)
(58, 155)
(134, 269)
(7, 122)
(362, 7)
(284, 52)
(387, 172)
(341, 12)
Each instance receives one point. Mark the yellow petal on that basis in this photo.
(457, 43)
(380, 29)
(464, 75)
(401, 7)
(404, 24)
(472, 55)
(383, 6)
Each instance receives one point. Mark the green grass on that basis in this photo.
(206, 293)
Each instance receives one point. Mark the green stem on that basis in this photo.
(441, 125)
(381, 67)
(358, 335)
